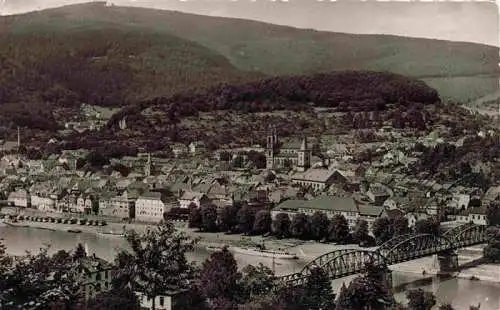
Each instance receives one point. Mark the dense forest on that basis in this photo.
(44, 72)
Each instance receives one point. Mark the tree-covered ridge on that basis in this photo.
(107, 66)
(281, 50)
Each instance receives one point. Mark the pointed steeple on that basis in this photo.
(303, 146)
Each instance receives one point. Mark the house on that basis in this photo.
(369, 213)
(197, 147)
(43, 202)
(378, 194)
(396, 202)
(151, 206)
(459, 201)
(318, 179)
(162, 302)
(120, 206)
(190, 197)
(179, 149)
(105, 203)
(95, 275)
(84, 204)
(347, 179)
(20, 198)
(414, 217)
(476, 215)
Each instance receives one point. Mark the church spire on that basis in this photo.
(303, 146)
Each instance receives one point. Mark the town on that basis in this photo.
(238, 156)
(303, 187)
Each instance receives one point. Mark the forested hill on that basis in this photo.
(46, 75)
(241, 113)
(109, 66)
(278, 50)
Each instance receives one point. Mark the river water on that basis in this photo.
(459, 292)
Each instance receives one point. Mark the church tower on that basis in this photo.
(147, 168)
(304, 156)
(272, 142)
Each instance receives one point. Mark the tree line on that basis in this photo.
(247, 220)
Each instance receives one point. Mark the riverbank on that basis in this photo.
(306, 251)
(483, 272)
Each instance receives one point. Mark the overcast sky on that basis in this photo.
(457, 21)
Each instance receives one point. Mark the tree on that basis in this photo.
(420, 300)
(219, 277)
(114, 299)
(228, 219)
(281, 225)
(318, 291)
(361, 233)
(369, 291)
(493, 214)
(491, 251)
(192, 299)
(299, 227)
(39, 279)
(195, 218)
(319, 225)
(263, 222)
(96, 159)
(339, 229)
(80, 252)
(343, 300)
(209, 217)
(427, 226)
(446, 307)
(157, 261)
(400, 226)
(289, 298)
(382, 230)
(246, 219)
(257, 281)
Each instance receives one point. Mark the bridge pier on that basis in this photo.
(448, 261)
(388, 278)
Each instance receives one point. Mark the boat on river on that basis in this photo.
(111, 233)
(74, 231)
(263, 252)
(214, 248)
(15, 224)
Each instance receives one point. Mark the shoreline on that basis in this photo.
(305, 250)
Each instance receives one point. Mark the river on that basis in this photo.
(459, 292)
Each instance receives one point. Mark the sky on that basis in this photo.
(476, 22)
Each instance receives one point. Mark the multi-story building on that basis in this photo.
(20, 198)
(121, 206)
(43, 202)
(331, 206)
(151, 206)
(94, 275)
(318, 179)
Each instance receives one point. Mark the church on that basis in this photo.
(294, 155)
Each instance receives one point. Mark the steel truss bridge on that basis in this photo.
(345, 262)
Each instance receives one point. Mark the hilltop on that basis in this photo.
(280, 50)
